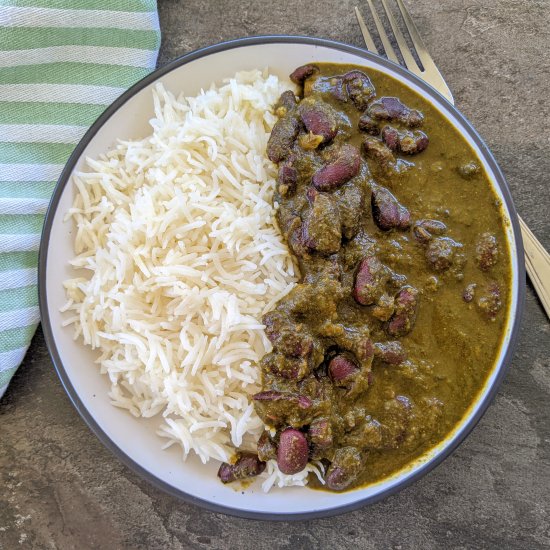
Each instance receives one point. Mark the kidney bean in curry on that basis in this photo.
(398, 318)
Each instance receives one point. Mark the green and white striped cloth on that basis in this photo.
(61, 63)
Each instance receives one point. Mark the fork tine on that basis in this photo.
(431, 73)
(410, 61)
(365, 32)
(421, 49)
(382, 33)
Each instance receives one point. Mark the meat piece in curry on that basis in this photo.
(398, 318)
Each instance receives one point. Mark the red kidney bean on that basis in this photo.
(342, 369)
(319, 118)
(390, 108)
(298, 345)
(275, 323)
(296, 239)
(406, 142)
(335, 174)
(369, 125)
(320, 433)
(486, 251)
(490, 302)
(370, 279)
(387, 212)
(322, 227)
(287, 101)
(391, 353)
(285, 366)
(350, 201)
(406, 307)
(390, 136)
(412, 143)
(292, 452)
(397, 417)
(360, 89)
(423, 230)
(247, 465)
(287, 179)
(290, 342)
(344, 469)
(267, 449)
(282, 138)
(302, 73)
(440, 253)
(377, 150)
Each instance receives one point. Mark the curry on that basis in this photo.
(398, 318)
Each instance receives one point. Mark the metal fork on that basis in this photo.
(537, 259)
(430, 73)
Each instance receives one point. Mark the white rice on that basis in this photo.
(181, 257)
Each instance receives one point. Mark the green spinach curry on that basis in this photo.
(398, 318)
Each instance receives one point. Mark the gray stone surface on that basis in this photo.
(59, 488)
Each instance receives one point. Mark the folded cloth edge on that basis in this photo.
(55, 58)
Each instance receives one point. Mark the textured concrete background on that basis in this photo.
(59, 488)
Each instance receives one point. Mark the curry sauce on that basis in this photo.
(400, 238)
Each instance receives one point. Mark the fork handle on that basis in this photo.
(537, 262)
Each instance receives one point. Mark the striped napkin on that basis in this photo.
(61, 63)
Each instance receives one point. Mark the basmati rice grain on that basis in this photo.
(181, 256)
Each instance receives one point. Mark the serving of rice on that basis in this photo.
(180, 257)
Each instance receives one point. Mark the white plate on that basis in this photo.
(134, 440)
